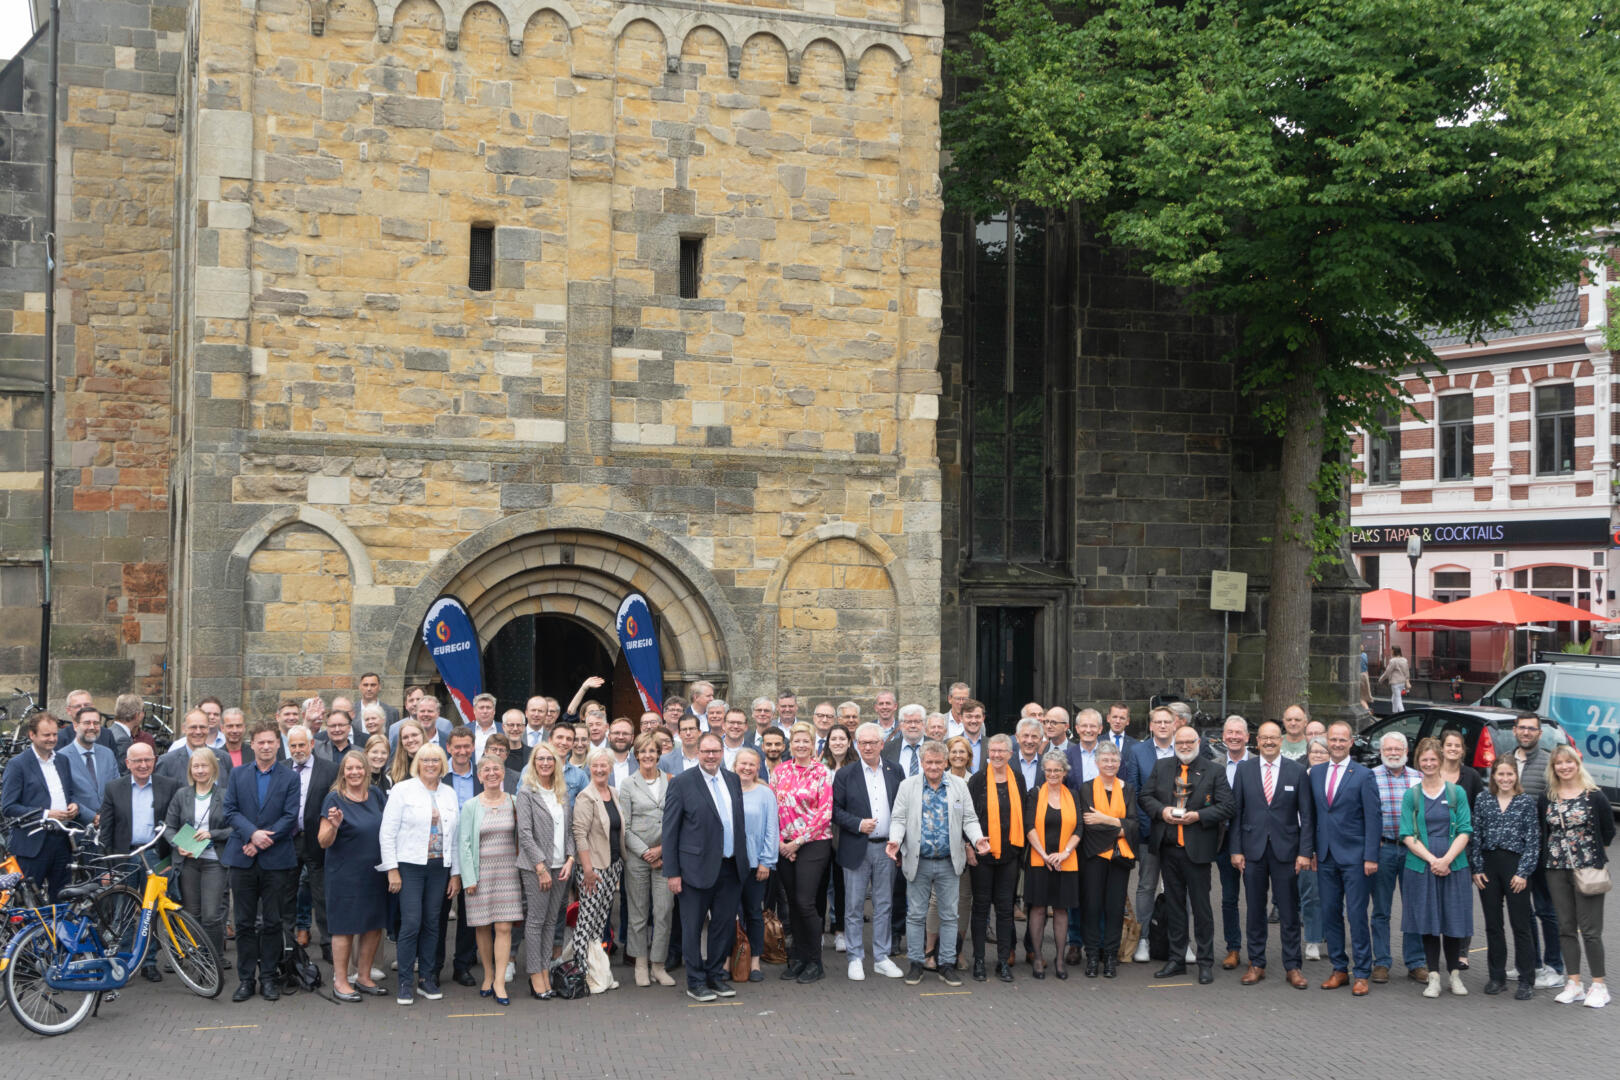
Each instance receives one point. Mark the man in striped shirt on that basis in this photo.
(1393, 777)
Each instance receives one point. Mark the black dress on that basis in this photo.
(1043, 887)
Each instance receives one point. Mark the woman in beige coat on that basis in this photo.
(641, 797)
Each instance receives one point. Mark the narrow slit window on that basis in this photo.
(481, 258)
(691, 266)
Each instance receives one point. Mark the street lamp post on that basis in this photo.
(1414, 552)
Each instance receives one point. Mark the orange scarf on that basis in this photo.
(1112, 803)
(993, 810)
(1065, 829)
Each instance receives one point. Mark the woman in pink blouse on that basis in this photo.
(803, 788)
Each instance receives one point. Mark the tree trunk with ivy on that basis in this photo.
(1293, 542)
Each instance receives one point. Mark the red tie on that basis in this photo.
(1270, 783)
(1333, 782)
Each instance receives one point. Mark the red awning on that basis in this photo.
(1387, 605)
(1505, 607)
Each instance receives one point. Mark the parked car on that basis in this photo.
(1581, 693)
(1471, 720)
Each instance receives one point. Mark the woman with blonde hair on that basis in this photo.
(641, 797)
(356, 894)
(412, 736)
(803, 790)
(418, 847)
(545, 832)
(599, 842)
(201, 804)
(1577, 825)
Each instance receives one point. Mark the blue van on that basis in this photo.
(1583, 694)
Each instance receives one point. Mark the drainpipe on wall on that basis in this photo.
(49, 403)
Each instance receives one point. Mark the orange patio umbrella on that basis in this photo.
(1387, 605)
(1505, 607)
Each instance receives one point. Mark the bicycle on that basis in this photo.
(56, 968)
(16, 742)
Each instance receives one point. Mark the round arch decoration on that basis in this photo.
(580, 564)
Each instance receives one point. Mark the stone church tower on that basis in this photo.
(538, 302)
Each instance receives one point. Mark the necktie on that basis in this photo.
(1333, 782)
(720, 808)
(301, 767)
(1181, 835)
(90, 763)
(911, 770)
(1119, 740)
(1270, 783)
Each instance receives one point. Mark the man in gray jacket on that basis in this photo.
(932, 815)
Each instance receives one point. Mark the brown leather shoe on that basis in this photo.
(1253, 975)
(1360, 988)
(1336, 980)
(1380, 975)
(1231, 960)
(1071, 955)
(1418, 974)
(1296, 979)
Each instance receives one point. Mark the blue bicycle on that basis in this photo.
(57, 966)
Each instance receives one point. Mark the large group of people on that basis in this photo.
(665, 839)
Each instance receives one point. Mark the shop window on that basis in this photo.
(1555, 429)
(1456, 416)
(1452, 649)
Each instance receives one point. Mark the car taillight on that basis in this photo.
(1484, 752)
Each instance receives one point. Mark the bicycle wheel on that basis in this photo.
(118, 910)
(36, 1006)
(191, 953)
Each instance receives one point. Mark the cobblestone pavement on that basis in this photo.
(1131, 1027)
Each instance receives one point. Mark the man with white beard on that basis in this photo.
(1393, 777)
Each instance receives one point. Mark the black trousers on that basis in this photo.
(804, 878)
(466, 955)
(1103, 884)
(1500, 866)
(50, 866)
(718, 904)
(1276, 877)
(995, 883)
(1187, 882)
(261, 896)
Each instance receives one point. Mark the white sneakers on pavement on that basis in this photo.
(1192, 955)
(857, 972)
(1141, 954)
(1457, 987)
(838, 942)
(1573, 994)
(887, 968)
(1432, 988)
(1548, 979)
(1598, 996)
(1313, 951)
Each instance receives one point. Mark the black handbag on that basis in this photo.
(568, 980)
(1158, 931)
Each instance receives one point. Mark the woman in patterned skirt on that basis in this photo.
(487, 835)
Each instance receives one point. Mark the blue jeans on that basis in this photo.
(1546, 947)
(1310, 906)
(936, 878)
(421, 898)
(875, 875)
(1391, 858)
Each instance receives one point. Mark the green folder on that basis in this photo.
(189, 842)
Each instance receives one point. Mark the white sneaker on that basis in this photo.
(377, 973)
(1548, 979)
(1192, 955)
(511, 971)
(1432, 988)
(1313, 951)
(1598, 996)
(1457, 987)
(1512, 974)
(393, 965)
(857, 972)
(1141, 954)
(838, 941)
(1573, 994)
(887, 969)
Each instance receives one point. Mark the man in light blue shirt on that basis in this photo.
(463, 779)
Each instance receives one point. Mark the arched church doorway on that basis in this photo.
(546, 654)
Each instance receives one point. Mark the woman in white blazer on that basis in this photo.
(418, 840)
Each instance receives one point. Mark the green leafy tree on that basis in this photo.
(1337, 174)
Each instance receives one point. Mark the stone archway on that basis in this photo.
(581, 564)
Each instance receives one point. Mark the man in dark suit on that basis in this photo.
(1188, 801)
(132, 809)
(370, 687)
(1272, 840)
(336, 738)
(126, 728)
(261, 804)
(38, 784)
(92, 759)
(315, 778)
(1117, 724)
(1347, 830)
(863, 831)
(175, 765)
(705, 860)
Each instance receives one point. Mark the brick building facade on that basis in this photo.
(540, 301)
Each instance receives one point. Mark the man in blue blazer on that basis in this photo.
(705, 861)
(39, 784)
(1347, 831)
(863, 832)
(261, 806)
(1272, 840)
(93, 760)
(1117, 723)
